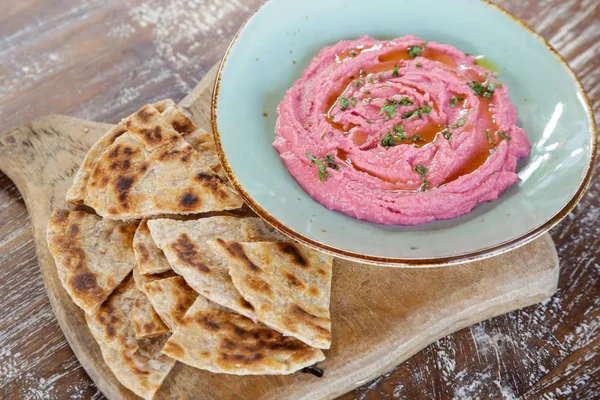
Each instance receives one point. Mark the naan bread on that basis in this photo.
(150, 258)
(213, 338)
(184, 243)
(151, 170)
(287, 284)
(138, 364)
(93, 255)
(175, 118)
(171, 298)
(144, 320)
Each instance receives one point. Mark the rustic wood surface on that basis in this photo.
(100, 60)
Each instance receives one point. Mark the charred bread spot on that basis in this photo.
(292, 250)
(187, 251)
(144, 114)
(143, 252)
(258, 285)
(208, 323)
(183, 125)
(212, 182)
(85, 282)
(293, 280)
(74, 230)
(236, 251)
(124, 183)
(189, 200)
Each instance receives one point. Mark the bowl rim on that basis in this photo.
(477, 255)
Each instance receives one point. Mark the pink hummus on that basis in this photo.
(400, 132)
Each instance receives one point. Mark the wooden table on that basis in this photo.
(102, 59)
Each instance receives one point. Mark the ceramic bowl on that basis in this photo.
(277, 42)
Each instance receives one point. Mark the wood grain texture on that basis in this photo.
(380, 316)
(102, 59)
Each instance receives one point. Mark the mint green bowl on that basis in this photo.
(277, 42)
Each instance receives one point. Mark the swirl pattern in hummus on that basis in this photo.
(400, 132)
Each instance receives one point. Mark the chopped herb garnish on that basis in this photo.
(412, 113)
(343, 103)
(389, 140)
(489, 137)
(421, 170)
(462, 121)
(353, 101)
(399, 129)
(405, 101)
(379, 76)
(367, 92)
(357, 83)
(390, 106)
(371, 81)
(503, 135)
(353, 53)
(419, 65)
(413, 247)
(476, 86)
(367, 100)
(415, 51)
(468, 54)
(395, 72)
(418, 112)
(486, 88)
(326, 162)
(454, 100)
(447, 134)
(324, 133)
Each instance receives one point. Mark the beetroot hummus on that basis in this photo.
(399, 132)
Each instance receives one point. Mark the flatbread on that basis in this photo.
(287, 284)
(184, 245)
(144, 320)
(150, 258)
(93, 255)
(141, 279)
(204, 144)
(213, 338)
(171, 298)
(151, 170)
(138, 364)
(175, 118)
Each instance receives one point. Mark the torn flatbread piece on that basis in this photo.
(144, 320)
(173, 116)
(213, 338)
(93, 255)
(150, 258)
(171, 298)
(287, 284)
(138, 364)
(151, 170)
(184, 243)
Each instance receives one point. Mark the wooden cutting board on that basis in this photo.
(380, 316)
